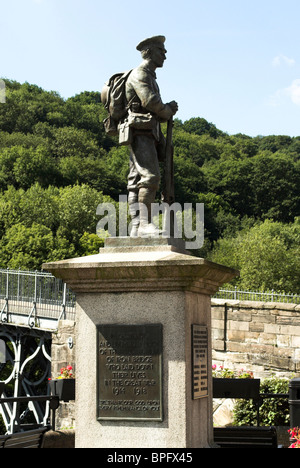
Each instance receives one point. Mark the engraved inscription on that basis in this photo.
(130, 372)
(200, 361)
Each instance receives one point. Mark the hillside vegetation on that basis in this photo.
(57, 164)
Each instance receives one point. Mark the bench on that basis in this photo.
(26, 439)
(245, 437)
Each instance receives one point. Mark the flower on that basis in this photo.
(66, 373)
(295, 437)
(225, 373)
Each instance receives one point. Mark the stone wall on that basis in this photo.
(260, 336)
(62, 355)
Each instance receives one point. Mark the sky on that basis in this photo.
(235, 63)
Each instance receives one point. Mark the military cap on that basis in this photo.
(155, 40)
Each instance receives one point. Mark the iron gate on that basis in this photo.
(25, 369)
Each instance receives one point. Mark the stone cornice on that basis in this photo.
(141, 270)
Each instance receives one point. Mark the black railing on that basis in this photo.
(53, 399)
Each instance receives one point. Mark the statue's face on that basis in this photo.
(158, 55)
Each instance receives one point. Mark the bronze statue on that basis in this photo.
(140, 128)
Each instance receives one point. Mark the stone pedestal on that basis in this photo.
(130, 283)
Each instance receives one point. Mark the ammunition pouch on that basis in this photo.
(125, 133)
(138, 124)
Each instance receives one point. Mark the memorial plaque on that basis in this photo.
(129, 376)
(200, 361)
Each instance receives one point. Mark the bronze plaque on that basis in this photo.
(200, 361)
(129, 370)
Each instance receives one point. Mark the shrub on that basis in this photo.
(272, 412)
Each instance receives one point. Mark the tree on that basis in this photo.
(89, 244)
(26, 248)
(28, 206)
(200, 126)
(77, 211)
(231, 179)
(267, 256)
(34, 165)
(189, 180)
(70, 141)
(274, 184)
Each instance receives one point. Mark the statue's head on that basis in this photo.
(153, 49)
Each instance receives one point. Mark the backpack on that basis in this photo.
(114, 100)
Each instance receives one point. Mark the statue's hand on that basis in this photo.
(174, 106)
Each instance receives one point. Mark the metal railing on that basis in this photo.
(36, 295)
(38, 299)
(269, 296)
(52, 403)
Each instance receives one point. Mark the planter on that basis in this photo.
(236, 388)
(2, 386)
(64, 388)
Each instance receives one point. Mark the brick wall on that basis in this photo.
(259, 336)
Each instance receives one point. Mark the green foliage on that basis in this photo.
(273, 411)
(90, 244)
(267, 256)
(57, 164)
(66, 228)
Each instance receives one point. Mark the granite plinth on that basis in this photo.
(120, 268)
(130, 283)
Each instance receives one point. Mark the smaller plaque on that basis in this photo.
(200, 361)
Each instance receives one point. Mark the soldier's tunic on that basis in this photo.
(143, 94)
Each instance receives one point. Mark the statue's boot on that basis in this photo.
(147, 228)
(134, 212)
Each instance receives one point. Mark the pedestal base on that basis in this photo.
(144, 285)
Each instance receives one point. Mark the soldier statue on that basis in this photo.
(141, 130)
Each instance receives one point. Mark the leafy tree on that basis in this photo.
(89, 244)
(231, 179)
(195, 148)
(274, 143)
(26, 248)
(275, 186)
(71, 141)
(33, 166)
(26, 105)
(200, 126)
(28, 206)
(45, 210)
(188, 179)
(267, 256)
(77, 211)
(22, 167)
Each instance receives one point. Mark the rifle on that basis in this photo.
(168, 194)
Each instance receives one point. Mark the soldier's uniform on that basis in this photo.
(147, 147)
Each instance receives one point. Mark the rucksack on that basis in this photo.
(114, 100)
